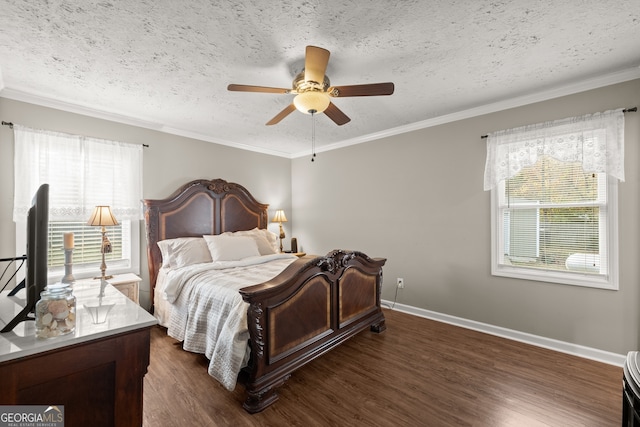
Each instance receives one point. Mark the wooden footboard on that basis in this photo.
(308, 309)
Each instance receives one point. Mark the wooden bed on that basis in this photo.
(311, 307)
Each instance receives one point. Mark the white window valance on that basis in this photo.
(595, 140)
(82, 172)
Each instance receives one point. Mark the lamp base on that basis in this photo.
(106, 248)
(281, 237)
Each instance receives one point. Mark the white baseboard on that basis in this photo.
(552, 344)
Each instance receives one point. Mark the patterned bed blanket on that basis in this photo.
(208, 313)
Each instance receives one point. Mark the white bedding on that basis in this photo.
(206, 311)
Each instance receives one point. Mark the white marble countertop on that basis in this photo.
(118, 313)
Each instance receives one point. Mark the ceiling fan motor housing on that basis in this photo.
(301, 85)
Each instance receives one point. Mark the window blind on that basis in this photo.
(87, 242)
(554, 215)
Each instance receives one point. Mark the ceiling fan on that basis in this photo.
(314, 91)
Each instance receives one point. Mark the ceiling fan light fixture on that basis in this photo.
(311, 102)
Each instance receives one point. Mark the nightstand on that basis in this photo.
(298, 254)
(128, 284)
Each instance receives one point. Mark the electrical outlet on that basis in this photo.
(400, 283)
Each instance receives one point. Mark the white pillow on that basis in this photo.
(265, 247)
(183, 251)
(224, 247)
(164, 251)
(273, 239)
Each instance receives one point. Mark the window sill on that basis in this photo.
(559, 277)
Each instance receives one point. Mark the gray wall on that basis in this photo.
(418, 200)
(415, 199)
(169, 162)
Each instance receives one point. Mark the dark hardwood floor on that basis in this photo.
(417, 373)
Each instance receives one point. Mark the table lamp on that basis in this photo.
(102, 217)
(280, 217)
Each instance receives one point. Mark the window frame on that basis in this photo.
(610, 281)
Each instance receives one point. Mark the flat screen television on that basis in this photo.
(37, 253)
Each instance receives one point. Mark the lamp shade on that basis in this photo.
(312, 101)
(279, 216)
(102, 216)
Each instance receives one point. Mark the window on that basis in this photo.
(87, 244)
(554, 200)
(554, 224)
(81, 172)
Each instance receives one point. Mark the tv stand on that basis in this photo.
(24, 314)
(20, 285)
(15, 290)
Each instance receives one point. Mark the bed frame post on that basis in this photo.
(379, 326)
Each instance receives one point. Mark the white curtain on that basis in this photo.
(82, 172)
(595, 140)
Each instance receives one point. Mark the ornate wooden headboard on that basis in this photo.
(200, 207)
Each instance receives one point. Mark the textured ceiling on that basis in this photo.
(166, 64)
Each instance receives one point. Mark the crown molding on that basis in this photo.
(557, 92)
(43, 101)
(576, 87)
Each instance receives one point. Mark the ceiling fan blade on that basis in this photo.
(282, 114)
(262, 89)
(373, 89)
(315, 64)
(336, 114)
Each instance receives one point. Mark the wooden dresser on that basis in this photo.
(96, 372)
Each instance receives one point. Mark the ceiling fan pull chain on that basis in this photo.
(313, 135)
